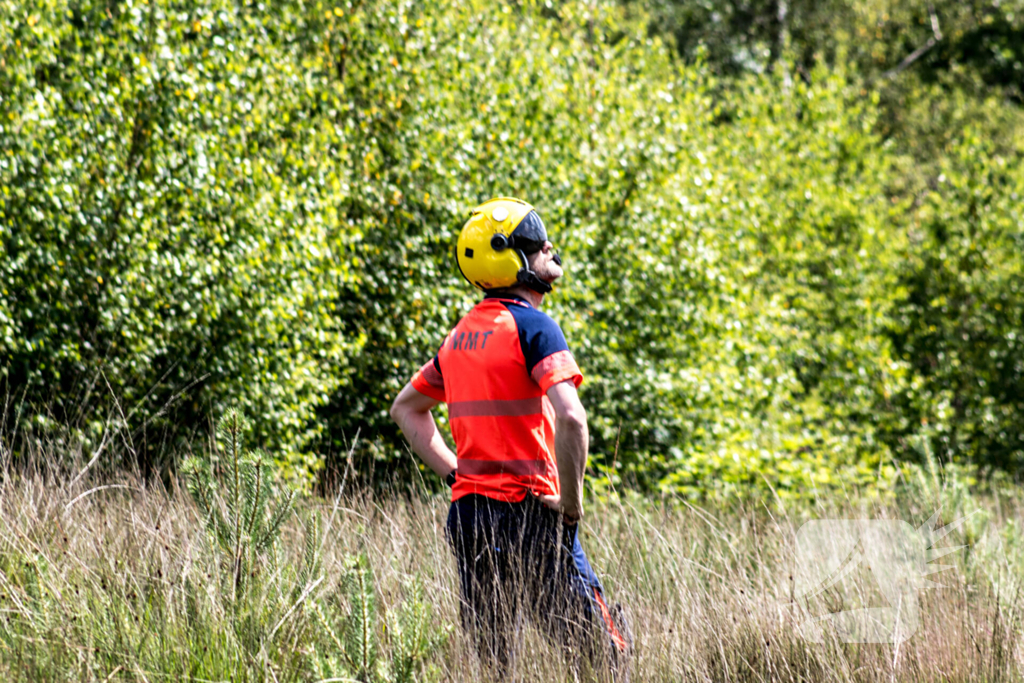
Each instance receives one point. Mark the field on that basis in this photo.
(120, 580)
(794, 282)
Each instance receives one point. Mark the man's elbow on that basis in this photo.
(573, 417)
(397, 410)
(408, 404)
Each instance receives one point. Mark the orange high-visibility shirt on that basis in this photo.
(493, 370)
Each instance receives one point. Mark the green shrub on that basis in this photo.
(166, 226)
(204, 204)
(960, 316)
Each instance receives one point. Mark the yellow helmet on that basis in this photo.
(494, 244)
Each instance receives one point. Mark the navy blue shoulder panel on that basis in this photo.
(539, 335)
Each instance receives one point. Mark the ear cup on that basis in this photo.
(500, 242)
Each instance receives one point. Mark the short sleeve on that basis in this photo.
(556, 368)
(429, 381)
(548, 359)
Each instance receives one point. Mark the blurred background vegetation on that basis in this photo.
(793, 231)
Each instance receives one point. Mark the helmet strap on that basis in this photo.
(528, 278)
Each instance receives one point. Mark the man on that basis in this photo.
(520, 430)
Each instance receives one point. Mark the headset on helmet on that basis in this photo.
(495, 242)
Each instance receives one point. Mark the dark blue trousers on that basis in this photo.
(519, 561)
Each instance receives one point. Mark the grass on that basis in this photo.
(122, 580)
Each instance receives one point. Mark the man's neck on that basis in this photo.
(534, 298)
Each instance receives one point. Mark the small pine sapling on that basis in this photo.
(356, 646)
(240, 506)
(414, 636)
(359, 632)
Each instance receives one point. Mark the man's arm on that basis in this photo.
(571, 441)
(411, 410)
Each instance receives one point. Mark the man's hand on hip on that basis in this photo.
(554, 502)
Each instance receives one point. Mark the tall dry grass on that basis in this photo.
(119, 580)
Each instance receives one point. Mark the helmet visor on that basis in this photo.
(530, 235)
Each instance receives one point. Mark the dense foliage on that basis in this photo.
(169, 240)
(775, 276)
(949, 78)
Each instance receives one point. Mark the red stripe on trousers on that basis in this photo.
(620, 642)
